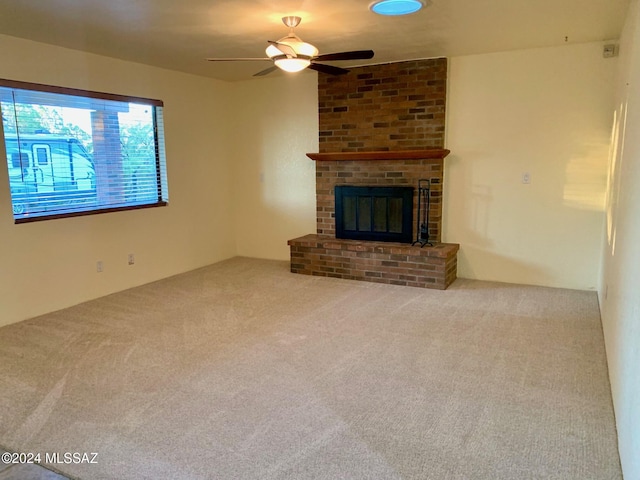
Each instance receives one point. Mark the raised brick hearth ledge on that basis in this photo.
(381, 262)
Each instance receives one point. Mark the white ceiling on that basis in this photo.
(180, 34)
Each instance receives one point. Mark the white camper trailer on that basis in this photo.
(49, 169)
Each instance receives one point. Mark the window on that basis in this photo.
(73, 152)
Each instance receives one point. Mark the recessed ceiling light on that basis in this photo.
(396, 7)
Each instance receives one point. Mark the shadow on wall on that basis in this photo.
(479, 256)
(474, 227)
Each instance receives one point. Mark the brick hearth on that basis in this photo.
(381, 262)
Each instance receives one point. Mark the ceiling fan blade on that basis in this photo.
(236, 59)
(330, 69)
(266, 71)
(355, 55)
(284, 48)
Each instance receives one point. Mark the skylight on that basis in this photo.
(396, 7)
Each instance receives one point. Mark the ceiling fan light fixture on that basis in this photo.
(304, 51)
(301, 48)
(291, 54)
(292, 65)
(396, 7)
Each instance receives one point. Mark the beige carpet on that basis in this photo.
(243, 370)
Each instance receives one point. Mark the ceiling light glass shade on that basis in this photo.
(292, 65)
(396, 7)
(272, 51)
(304, 51)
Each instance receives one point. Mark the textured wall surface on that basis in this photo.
(618, 291)
(546, 112)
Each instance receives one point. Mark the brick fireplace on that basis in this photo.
(380, 125)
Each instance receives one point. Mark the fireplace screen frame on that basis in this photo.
(402, 229)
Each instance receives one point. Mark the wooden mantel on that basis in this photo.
(380, 155)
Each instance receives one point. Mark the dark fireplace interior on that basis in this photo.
(383, 214)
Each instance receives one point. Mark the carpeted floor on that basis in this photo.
(242, 370)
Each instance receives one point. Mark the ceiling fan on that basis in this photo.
(291, 54)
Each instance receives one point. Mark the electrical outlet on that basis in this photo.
(526, 178)
(132, 259)
(99, 266)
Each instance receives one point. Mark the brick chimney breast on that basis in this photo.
(389, 107)
(380, 125)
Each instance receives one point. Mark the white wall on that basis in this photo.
(547, 112)
(275, 125)
(45, 266)
(620, 287)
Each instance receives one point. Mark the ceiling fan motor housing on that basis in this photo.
(291, 21)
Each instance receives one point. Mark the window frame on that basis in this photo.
(159, 148)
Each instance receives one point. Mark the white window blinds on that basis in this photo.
(72, 152)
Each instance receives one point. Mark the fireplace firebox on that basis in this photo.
(383, 214)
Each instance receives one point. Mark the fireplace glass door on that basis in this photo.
(374, 213)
